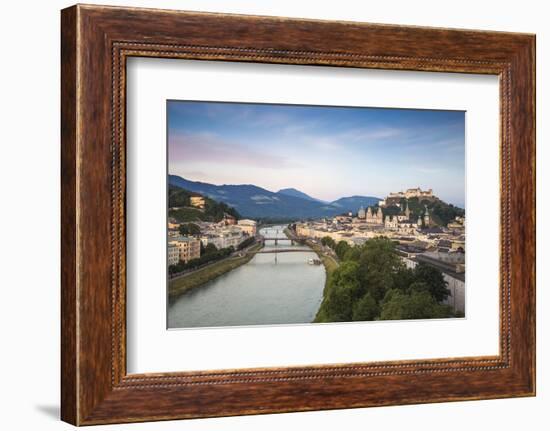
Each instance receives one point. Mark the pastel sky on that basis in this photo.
(326, 152)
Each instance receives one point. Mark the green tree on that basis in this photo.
(445, 212)
(391, 211)
(189, 229)
(213, 211)
(373, 283)
(433, 277)
(378, 263)
(341, 249)
(403, 278)
(419, 286)
(417, 305)
(247, 242)
(208, 249)
(178, 197)
(366, 308)
(342, 290)
(353, 254)
(327, 241)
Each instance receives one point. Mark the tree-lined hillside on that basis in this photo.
(179, 203)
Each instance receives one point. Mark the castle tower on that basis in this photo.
(361, 213)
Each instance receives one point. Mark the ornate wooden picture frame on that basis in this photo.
(96, 42)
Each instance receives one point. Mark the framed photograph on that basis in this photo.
(244, 249)
(264, 215)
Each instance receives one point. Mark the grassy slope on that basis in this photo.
(184, 215)
(181, 285)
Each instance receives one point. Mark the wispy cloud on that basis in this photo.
(327, 152)
(207, 147)
(314, 138)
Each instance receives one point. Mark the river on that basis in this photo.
(270, 289)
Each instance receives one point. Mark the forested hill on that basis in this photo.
(179, 203)
(441, 212)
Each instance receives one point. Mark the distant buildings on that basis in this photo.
(391, 222)
(173, 254)
(317, 230)
(189, 248)
(374, 217)
(223, 234)
(400, 222)
(418, 238)
(229, 220)
(173, 233)
(396, 222)
(459, 223)
(198, 202)
(247, 226)
(222, 237)
(394, 198)
(173, 224)
(342, 219)
(452, 265)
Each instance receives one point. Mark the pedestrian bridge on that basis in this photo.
(284, 250)
(276, 240)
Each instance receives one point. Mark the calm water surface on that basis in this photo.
(271, 289)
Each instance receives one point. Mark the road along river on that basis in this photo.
(272, 288)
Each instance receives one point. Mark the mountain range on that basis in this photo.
(256, 202)
(298, 194)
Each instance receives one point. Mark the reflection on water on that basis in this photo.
(270, 289)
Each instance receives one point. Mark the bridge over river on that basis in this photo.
(275, 287)
(284, 250)
(276, 240)
(287, 248)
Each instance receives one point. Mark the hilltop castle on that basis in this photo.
(394, 198)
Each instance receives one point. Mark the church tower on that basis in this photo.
(369, 215)
(380, 216)
(426, 216)
(407, 211)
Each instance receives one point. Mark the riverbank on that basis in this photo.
(179, 286)
(330, 263)
(330, 266)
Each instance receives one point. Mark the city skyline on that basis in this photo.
(326, 152)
